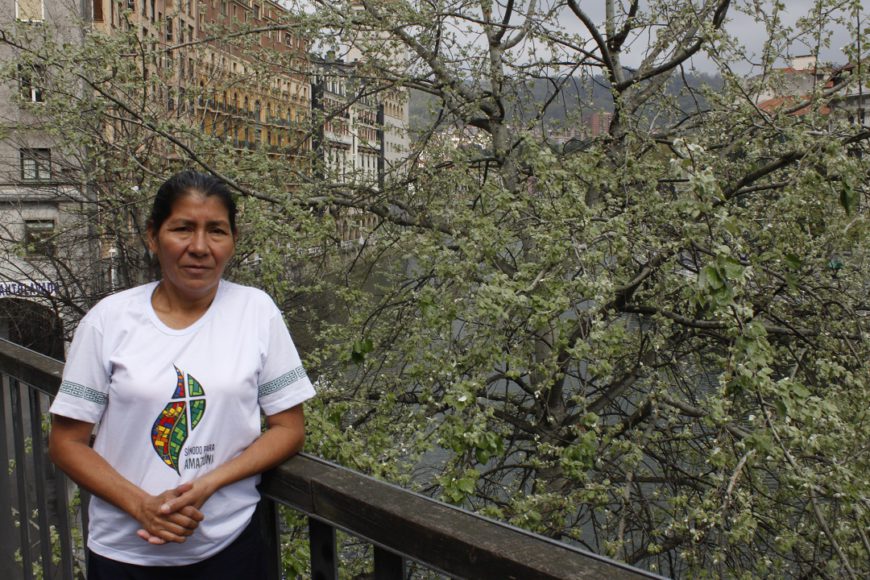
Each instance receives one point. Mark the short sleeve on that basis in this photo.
(283, 382)
(83, 392)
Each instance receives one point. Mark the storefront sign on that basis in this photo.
(28, 289)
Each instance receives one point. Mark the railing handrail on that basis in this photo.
(448, 538)
(36, 369)
(444, 537)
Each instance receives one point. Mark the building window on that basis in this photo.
(29, 10)
(39, 237)
(35, 164)
(169, 29)
(30, 80)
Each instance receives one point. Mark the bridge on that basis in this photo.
(43, 526)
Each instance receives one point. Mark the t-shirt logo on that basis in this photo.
(180, 416)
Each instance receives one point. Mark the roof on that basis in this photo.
(779, 104)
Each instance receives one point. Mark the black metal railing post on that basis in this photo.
(388, 565)
(324, 559)
(42, 545)
(21, 479)
(64, 527)
(266, 517)
(40, 472)
(8, 541)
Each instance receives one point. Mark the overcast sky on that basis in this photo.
(751, 33)
(748, 29)
(840, 37)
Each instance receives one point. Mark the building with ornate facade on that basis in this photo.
(236, 70)
(41, 201)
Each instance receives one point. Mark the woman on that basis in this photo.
(176, 373)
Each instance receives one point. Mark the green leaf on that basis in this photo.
(360, 349)
(732, 268)
(793, 261)
(781, 407)
(800, 391)
(710, 278)
(848, 198)
(466, 484)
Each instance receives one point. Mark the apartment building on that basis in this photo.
(53, 259)
(349, 141)
(237, 70)
(250, 88)
(853, 101)
(41, 202)
(793, 87)
(364, 136)
(375, 47)
(267, 92)
(784, 85)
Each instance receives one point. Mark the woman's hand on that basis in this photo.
(69, 446)
(161, 523)
(284, 437)
(187, 497)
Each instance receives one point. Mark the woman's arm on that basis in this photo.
(69, 448)
(284, 436)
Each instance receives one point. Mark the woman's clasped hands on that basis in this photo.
(173, 515)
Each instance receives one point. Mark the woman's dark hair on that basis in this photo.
(184, 183)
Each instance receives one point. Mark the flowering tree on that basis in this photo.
(651, 341)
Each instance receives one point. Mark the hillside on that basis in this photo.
(578, 97)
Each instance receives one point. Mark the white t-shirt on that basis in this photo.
(173, 404)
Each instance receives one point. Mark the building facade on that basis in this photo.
(41, 202)
(235, 70)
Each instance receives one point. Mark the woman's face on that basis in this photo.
(193, 245)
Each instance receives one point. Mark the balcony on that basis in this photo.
(42, 527)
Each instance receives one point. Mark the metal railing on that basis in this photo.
(43, 525)
(38, 528)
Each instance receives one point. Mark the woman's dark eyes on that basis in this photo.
(219, 231)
